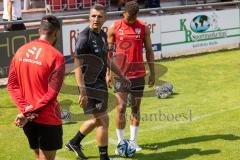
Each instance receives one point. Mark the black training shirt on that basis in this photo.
(92, 47)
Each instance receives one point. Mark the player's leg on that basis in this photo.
(121, 114)
(31, 131)
(88, 126)
(85, 129)
(47, 155)
(135, 121)
(50, 140)
(94, 105)
(102, 121)
(137, 93)
(135, 111)
(74, 143)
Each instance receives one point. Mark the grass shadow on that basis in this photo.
(175, 155)
(190, 140)
(69, 123)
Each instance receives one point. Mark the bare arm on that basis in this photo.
(111, 42)
(80, 82)
(111, 65)
(79, 75)
(149, 56)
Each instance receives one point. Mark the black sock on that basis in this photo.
(103, 152)
(77, 138)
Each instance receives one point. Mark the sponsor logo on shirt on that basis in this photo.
(32, 55)
(33, 51)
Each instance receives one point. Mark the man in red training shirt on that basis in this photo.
(35, 78)
(130, 35)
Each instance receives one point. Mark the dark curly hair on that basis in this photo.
(131, 8)
(50, 24)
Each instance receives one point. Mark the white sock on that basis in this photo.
(120, 134)
(133, 132)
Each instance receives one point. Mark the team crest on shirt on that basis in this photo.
(120, 32)
(99, 106)
(138, 32)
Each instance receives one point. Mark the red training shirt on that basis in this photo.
(129, 48)
(35, 78)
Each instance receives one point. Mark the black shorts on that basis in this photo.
(97, 101)
(45, 137)
(136, 88)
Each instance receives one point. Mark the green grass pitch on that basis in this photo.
(200, 121)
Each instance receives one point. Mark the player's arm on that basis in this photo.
(111, 42)
(110, 64)
(80, 82)
(111, 45)
(149, 56)
(55, 81)
(14, 89)
(113, 67)
(80, 54)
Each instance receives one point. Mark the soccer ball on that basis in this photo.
(65, 115)
(164, 90)
(126, 149)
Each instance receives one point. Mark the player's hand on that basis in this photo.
(83, 99)
(21, 120)
(151, 80)
(109, 81)
(31, 116)
(28, 108)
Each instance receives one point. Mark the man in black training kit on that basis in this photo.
(91, 62)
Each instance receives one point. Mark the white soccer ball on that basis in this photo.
(126, 149)
(164, 90)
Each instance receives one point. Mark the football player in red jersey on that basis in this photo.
(129, 35)
(35, 78)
